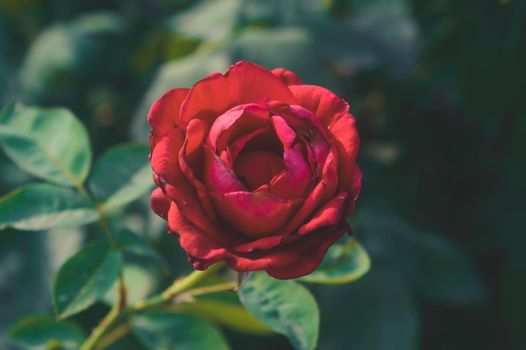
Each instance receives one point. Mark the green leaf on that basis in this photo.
(163, 330)
(121, 175)
(48, 143)
(285, 307)
(42, 206)
(343, 263)
(85, 278)
(43, 332)
(136, 245)
(227, 314)
(141, 282)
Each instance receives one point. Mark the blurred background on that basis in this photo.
(438, 89)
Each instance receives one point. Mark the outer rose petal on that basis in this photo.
(347, 142)
(286, 76)
(192, 151)
(160, 203)
(164, 114)
(260, 244)
(309, 253)
(320, 101)
(330, 214)
(164, 155)
(196, 243)
(243, 83)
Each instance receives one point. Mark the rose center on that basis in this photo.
(256, 168)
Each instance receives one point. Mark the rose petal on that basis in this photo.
(259, 244)
(217, 176)
(235, 123)
(320, 101)
(195, 242)
(256, 168)
(254, 214)
(195, 134)
(163, 159)
(347, 142)
(238, 145)
(164, 113)
(329, 214)
(309, 253)
(286, 76)
(160, 203)
(295, 180)
(321, 193)
(243, 83)
(285, 133)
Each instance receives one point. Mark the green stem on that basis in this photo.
(166, 297)
(99, 331)
(179, 286)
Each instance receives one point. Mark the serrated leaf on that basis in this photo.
(41, 332)
(285, 307)
(163, 330)
(49, 143)
(43, 206)
(85, 278)
(121, 175)
(343, 263)
(227, 314)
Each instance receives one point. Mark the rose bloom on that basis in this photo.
(254, 168)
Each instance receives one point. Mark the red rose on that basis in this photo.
(255, 169)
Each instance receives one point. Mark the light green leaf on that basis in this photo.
(121, 175)
(42, 206)
(141, 282)
(43, 332)
(343, 263)
(233, 316)
(49, 143)
(163, 330)
(285, 307)
(85, 278)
